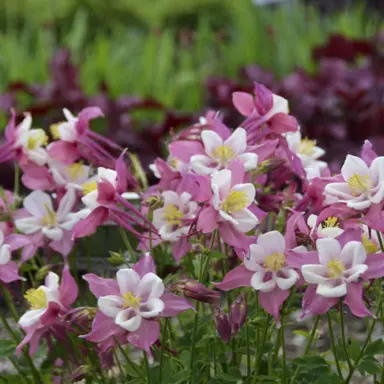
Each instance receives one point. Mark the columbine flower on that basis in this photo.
(173, 219)
(232, 200)
(219, 152)
(307, 151)
(267, 270)
(338, 267)
(330, 227)
(8, 269)
(130, 306)
(361, 185)
(24, 143)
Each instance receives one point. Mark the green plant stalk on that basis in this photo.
(260, 349)
(248, 350)
(11, 305)
(19, 370)
(343, 339)
(127, 244)
(284, 350)
(307, 348)
(163, 338)
(333, 346)
(147, 367)
(118, 364)
(126, 358)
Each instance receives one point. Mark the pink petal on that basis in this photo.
(84, 116)
(298, 259)
(100, 286)
(174, 305)
(237, 169)
(107, 192)
(375, 264)
(315, 304)
(354, 300)
(89, 225)
(367, 153)
(64, 245)
(49, 318)
(103, 328)
(68, 288)
(32, 338)
(282, 123)
(185, 149)
(233, 237)
(64, 151)
(243, 102)
(237, 277)
(207, 221)
(146, 335)
(9, 272)
(263, 99)
(272, 301)
(180, 248)
(145, 265)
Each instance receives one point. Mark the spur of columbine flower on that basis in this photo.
(360, 186)
(9, 271)
(267, 269)
(75, 139)
(341, 266)
(24, 144)
(105, 198)
(130, 306)
(47, 303)
(220, 152)
(38, 220)
(173, 221)
(229, 208)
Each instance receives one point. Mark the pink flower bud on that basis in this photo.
(197, 291)
(238, 313)
(223, 326)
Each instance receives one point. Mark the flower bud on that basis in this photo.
(116, 258)
(153, 202)
(267, 166)
(195, 290)
(79, 373)
(238, 313)
(223, 326)
(42, 272)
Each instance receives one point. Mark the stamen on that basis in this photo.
(306, 147)
(235, 201)
(330, 222)
(368, 244)
(172, 215)
(89, 187)
(223, 154)
(37, 139)
(54, 128)
(274, 262)
(36, 298)
(359, 184)
(75, 170)
(50, 218)
(131, 301)
(335, 269)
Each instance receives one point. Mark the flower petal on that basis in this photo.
(272, 242)
(211, 140)
(314, 273)
(151, 286)
(249, 160)
(202, 164)
(151, 308)
(37, 203)
(354, 165)
(222, 181)
(237, 141)
(110, 305)
(248, 189)
(258, 283)
(245, 220)
(256, 257)
(128, 280)
(287, 278)
(329, 289)
(128, 319)
(329, 249)
(5, 254)
(31, 317)
(353, 274)
(353, 254)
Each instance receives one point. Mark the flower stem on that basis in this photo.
(11, 305)
(194, 333)
(333, 346)
(283, 349)
(122, 373)
(127, 244)
(163, 338)
(248, 350)
(147, 367)
(344, 341)
(129, 362)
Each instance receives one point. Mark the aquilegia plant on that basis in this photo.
(245, 243)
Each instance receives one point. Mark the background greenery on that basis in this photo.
(165, 48)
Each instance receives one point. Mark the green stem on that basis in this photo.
(9, 301)
(147, 367)
(19, 370)
(333, 346)
(343, 339)
(126, 358)
(284, 350)
(163, 338)
(248, 350)
(194, 334)
(127, 244)
(260, 350)
(119, 364)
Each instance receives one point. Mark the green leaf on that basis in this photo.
(312, 361)
(354, 350)
(181, 377)
(228, 378)
(375, 348)
(369, 365)
(7, 348)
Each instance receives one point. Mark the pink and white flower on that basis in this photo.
(361, 185)
(219, 152)
(327, 228)
(8, 269)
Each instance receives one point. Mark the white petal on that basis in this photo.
(110, 305)
(128, 320)
(248, 189)
(52, 281)
(151, 308)
(222, 180)
(1, 238)
(376, 170)
(130, 196)
(353, 274)
(330, 290)
(359, 205)
(53, 233)
(256, 257)
(237, 141)
(128, 280)
(107, 174)
(354, 165)
(31, 317)
(37, 202)
(211, 140)
(258, 284)
(68, 115)
(331, 232)
(329, 250)
(28, 225)
(170, 197)
(314, 273)
(90, 199)
(353, 254)
(378, 196)
(312, 220)
(340, 190)
(155, 171)
(67, 131)
(150, 286)
(66, 204)
(5, 254)
(249, 160)
(272, 242)
(38, 155)
(245, 219)
(202, 165)
(228, 217)
(287, 278)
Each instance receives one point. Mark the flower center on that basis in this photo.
(49, 220)
(359, 184)
(335, 269)
(36, 298)
(172, 215)
(223, 154)
(173, 163)
(54, 128)
(368, 244)
(306, 147)
(37, 138)
(89, 187)
(274, 262)
(74, 170)
(235, 201)
(130, 300)
(330, 222)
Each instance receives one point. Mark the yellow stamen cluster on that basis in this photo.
(172, 215)
(306, 147)
(54, 128)
(173, 163)
(37, 138)
(131, 301)
(274, 262)
(369, 245)
(50, 218)
(330, 222)
(223, 154)
(75, 170)
(335, 269)
(89, 187)
(36, 298)
(359, 184)
(235, 201)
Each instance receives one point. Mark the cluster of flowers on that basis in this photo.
(241, 190)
